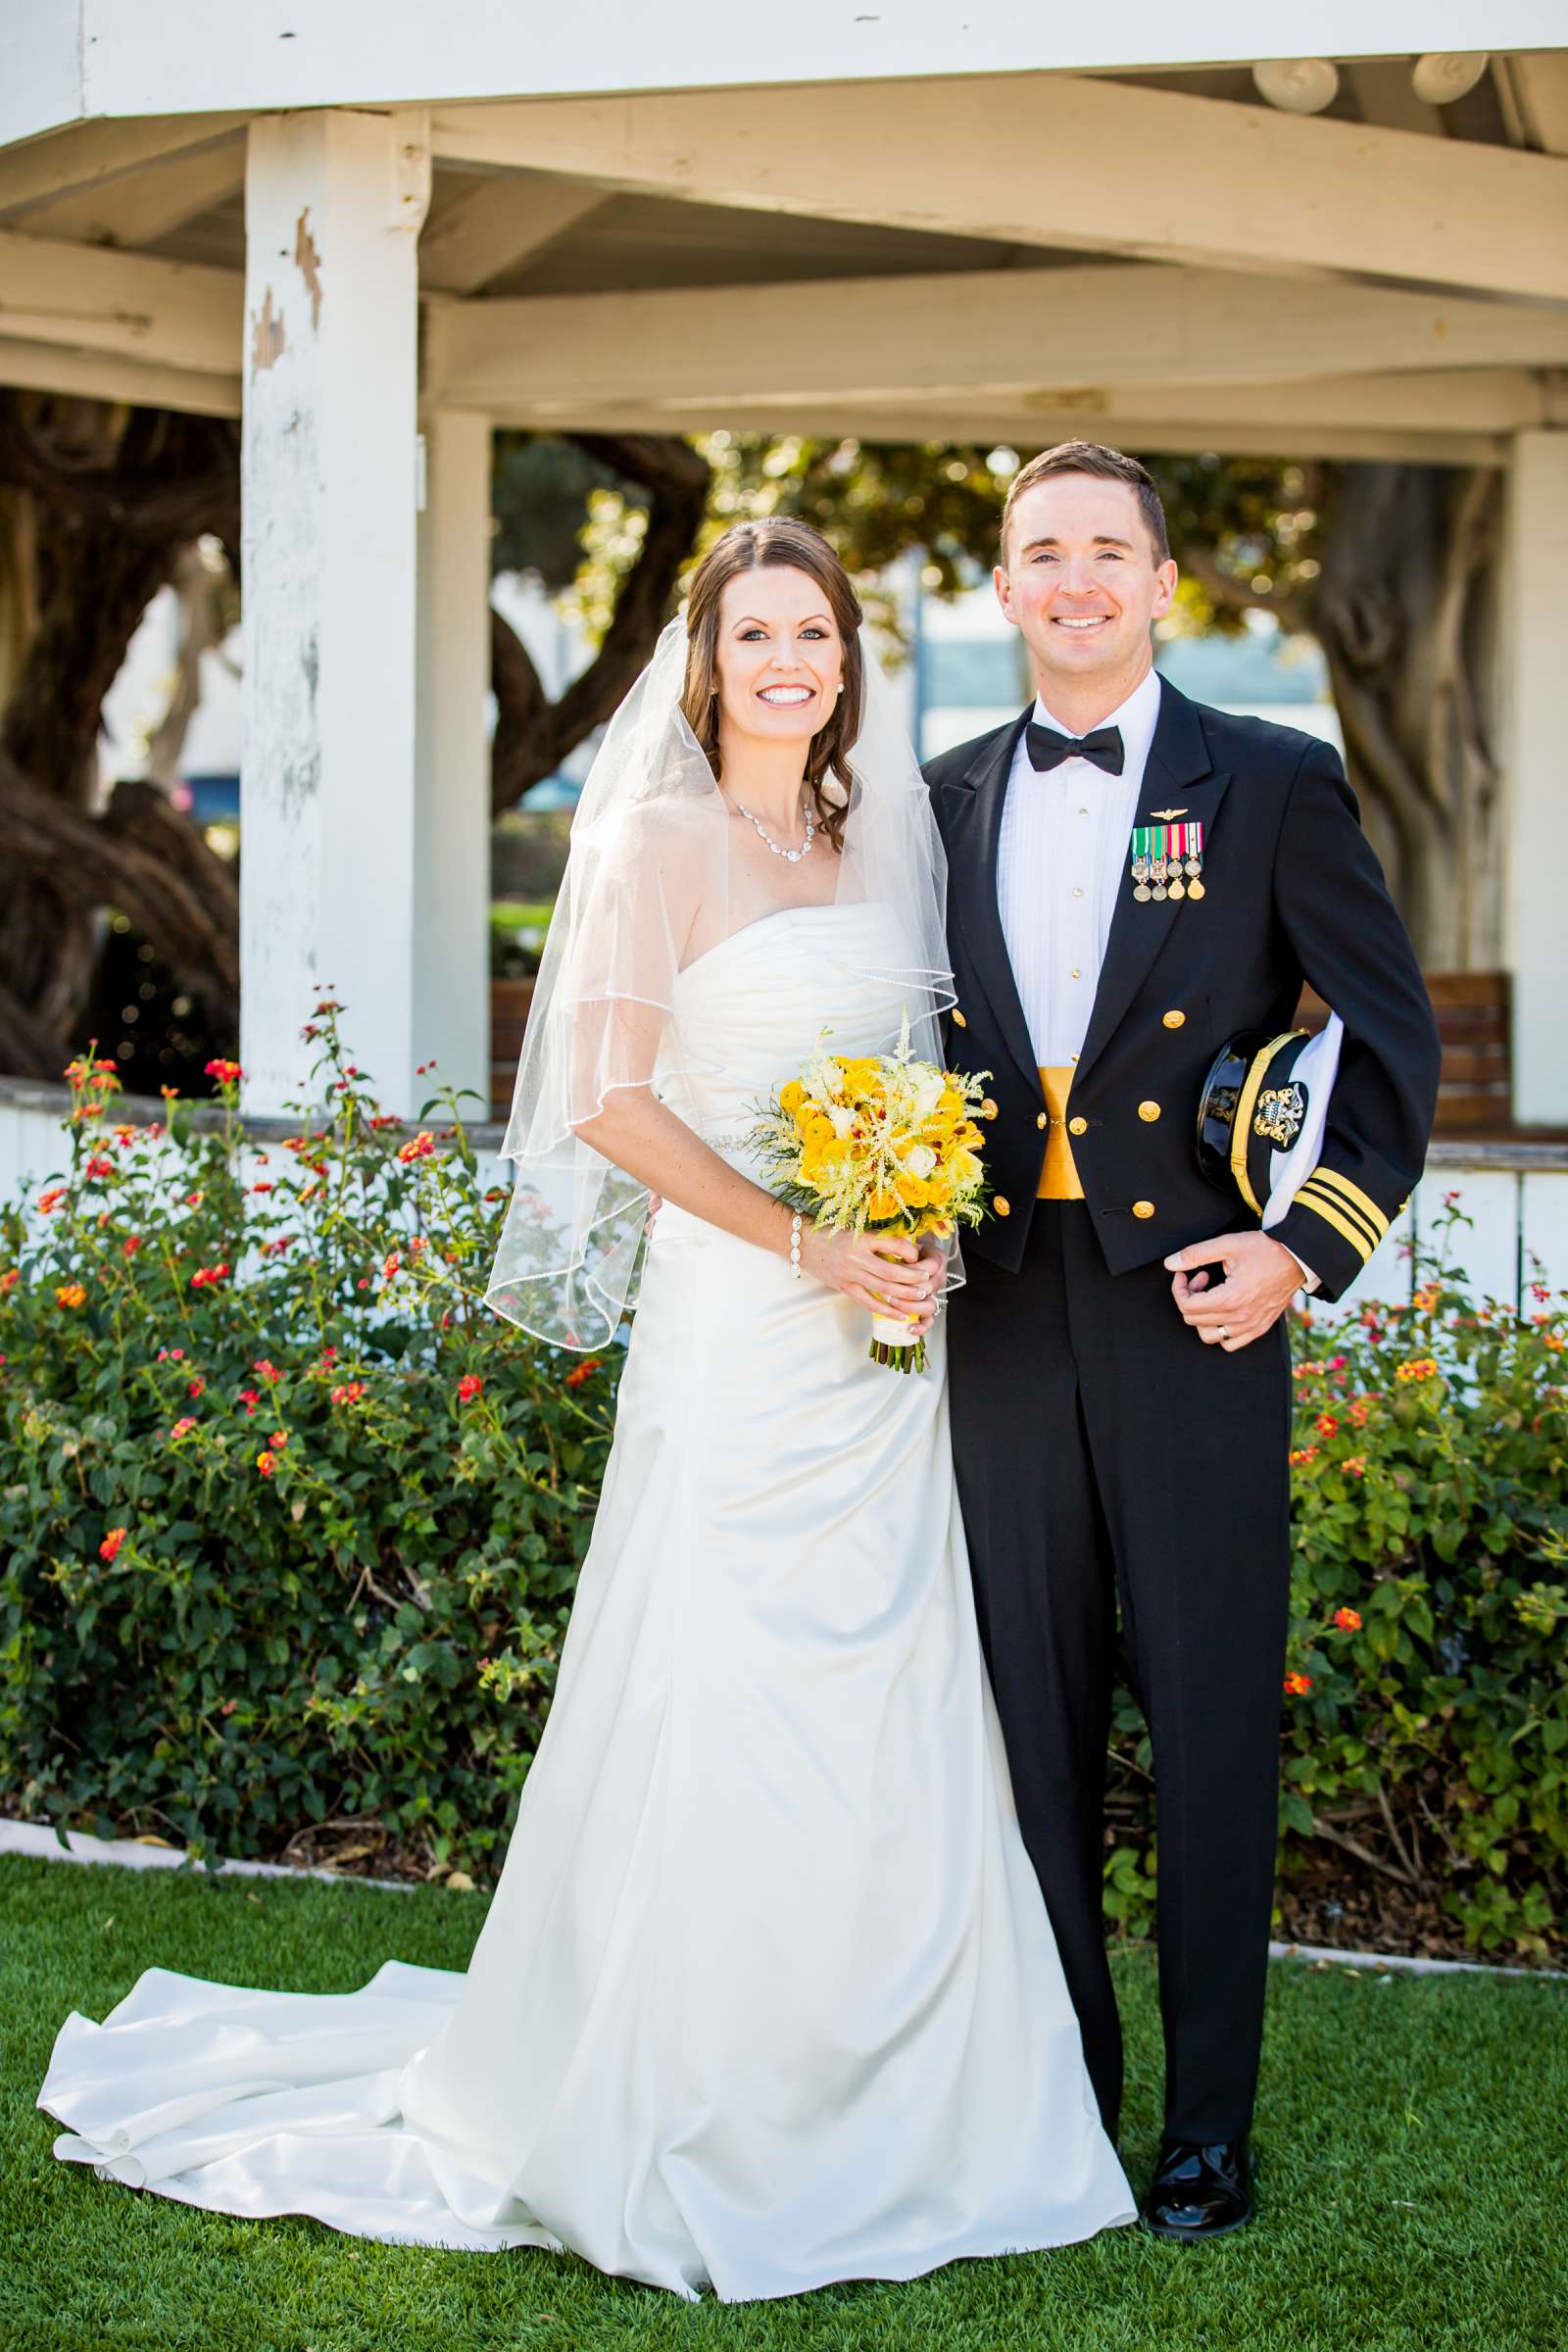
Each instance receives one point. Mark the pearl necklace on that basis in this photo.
(794, 856)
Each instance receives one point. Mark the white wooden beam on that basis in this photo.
(1540, 89)
(1476, 400)
(275, 54)
(1006, 330)
(143, 205)
(452, 814)
(87, 299)
(108, 375)
(1242, 436)
(1536, 711)
(1171, 176)
(333, 206)
(89, 154)
(505, 220)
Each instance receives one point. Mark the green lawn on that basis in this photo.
(1410, 2138)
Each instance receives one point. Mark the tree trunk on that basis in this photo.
(99, 503)
(533, 735)
(1405, 615)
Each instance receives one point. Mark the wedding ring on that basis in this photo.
(1223, 1333)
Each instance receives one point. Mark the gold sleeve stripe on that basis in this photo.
(1340, 1224)
(1318, 1191)
(1373, 1227)
(1354, 1197)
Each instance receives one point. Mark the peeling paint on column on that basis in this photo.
(266, 337)
(307, 262)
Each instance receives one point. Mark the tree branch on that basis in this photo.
(533, 735)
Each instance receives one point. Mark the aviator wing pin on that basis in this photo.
(1164, 816)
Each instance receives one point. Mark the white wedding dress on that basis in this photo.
(766, 1997)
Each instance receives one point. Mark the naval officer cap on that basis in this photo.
(1262, 1111)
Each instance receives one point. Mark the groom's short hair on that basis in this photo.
(1091, 456)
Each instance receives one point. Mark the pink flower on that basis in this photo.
(204, 1276)
(266, 1463)
(109, 1546)
(469, 1387)
(269, 1371)
(100, 1166)
(132, 1243)
(421, 1148)
(349, 1393)
(249, 1398)
(194, 1388)
(183, 1426)
(1348, 1621)
(227, 1073)
(265, 1185)
(1298, 1685)
(390, 1264)
(52, 1198)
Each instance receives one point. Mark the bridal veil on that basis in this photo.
(651, 885)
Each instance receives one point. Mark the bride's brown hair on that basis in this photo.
(749, 547)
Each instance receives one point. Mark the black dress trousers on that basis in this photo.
(1104, 1454)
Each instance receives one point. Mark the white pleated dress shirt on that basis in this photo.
(1060, 860)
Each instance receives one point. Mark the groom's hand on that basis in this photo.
(1260, 1278)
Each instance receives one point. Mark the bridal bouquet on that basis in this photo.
(879, 1144)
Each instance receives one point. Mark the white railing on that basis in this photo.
(1516, 1194)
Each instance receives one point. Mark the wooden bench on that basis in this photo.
(1475, 1022)
(1475, 1097)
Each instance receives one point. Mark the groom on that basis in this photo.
(1119, 1362)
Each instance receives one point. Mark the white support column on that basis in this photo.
(452, 814)
(1536, 714)
(333, 204)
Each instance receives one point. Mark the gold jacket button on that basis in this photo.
(1174, 1020)
(1003, 1208)
(1149, 1111)
(988, 1109)
(1077, 1126)
(958, 1020)
(1043, 1119)
(1143, 1208)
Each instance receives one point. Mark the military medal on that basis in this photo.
(1168, 859)
(1192, 858)
(1142, 862)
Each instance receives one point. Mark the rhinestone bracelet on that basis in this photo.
(795, 1244)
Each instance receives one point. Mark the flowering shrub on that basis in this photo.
(1426, 1714)
(290, 1522)
(291, 1526)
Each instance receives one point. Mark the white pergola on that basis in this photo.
(373, 231)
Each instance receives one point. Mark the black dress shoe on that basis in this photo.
(1200, 2193)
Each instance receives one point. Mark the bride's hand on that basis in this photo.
(885, 1275)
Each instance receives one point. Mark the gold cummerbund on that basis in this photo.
(1059, 1178)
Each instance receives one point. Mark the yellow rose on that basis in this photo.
(884, 1203)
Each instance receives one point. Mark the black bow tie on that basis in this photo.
(1048, 748)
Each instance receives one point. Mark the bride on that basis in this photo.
(766, 1997)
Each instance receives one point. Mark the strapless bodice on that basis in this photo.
(751, 1012)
